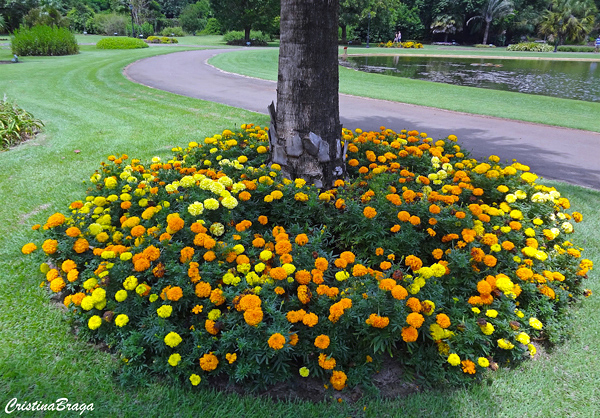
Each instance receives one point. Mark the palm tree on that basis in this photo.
(2, 23)
(568, 19)
(445, 24)
(492, 10)
(305, 127)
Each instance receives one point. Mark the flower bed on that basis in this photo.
(213, 264)
(407, 44)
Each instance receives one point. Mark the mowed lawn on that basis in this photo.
(91, 111)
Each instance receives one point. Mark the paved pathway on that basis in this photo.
(555, 153)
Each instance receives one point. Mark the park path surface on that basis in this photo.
(564, 154)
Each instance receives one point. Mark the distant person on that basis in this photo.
(597, 44)
(396, 37)
(399, 36)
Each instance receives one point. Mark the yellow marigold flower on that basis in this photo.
(121, 320)
(276, 341)
(195, 379)
(164, 311)
(304, 371)
(535, 323)
(94, 322)
(172, 339)
(454, 359)
(28, 248)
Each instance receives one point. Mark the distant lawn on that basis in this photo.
(90, 111)
(526, 107)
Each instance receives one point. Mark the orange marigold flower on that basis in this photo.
(413, 262)
(55, 220)
(186, 254)
(387, 284)
(276, 341)
(410, 334)
(304, 294)
(415, 319)
(151, 253)
(399, 292)
(28, 248)
(321, 264)
(303, 277)
(301, 239)
(490, 260)
(414, 304)
(468, 366)
(253, 316)
(209, 362)
(359, 270)
(198, 228)
(216, 297)
(293, 339)
(385, 265)
(327, 363)
(322, 342)
(209, 325)
(283, 247)
(57, 284)
(50, 246)
(73, 232)
(348, 256)
(378, 321)
(141, 264)
(295, 316)
(338, 380)
(442, 320)
(437, 253)
(310, 320)
(278, 273)
(174, 293)
(369, 212)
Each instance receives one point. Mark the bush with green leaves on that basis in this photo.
(213, 27)
(161, 40)
(109, 24)
(211, 263)
(121, 43)
(530, 46)
(16, 124)
(571, 48)
(172, 31)
(44, 40)
(257, 38)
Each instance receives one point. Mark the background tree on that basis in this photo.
(80, 17)
(14, 11)
(494, 9)
(193, 17)
(568, 19)
(446, 24)
(245, 14)
(2, 23)
(349, 14)
(46, 15)
(305, 129)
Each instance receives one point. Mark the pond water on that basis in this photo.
(579, 80)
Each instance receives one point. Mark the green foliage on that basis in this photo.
(46, 16)
(81, 18)
(530, 46)
(571, 48)
(161, 40)
(146, 29)
(568, 19)
(484, 46)
(213, 27)
(193, 17)
(121, 43)
(109, 24)
(257, 38)
(16, 124)
(213, 264)
(250, 14)
(173, 31)
(44, 40)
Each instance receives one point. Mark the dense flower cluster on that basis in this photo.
(212, 263)
(408, 44)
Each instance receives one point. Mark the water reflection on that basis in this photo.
(578, 80)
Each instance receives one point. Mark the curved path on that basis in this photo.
(556, 153)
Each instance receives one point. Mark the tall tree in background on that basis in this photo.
(350, 13)
(494, 9)
(245, 14)
(568, 19)
(305, 128)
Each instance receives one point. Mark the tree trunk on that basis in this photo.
(305, 128)
(247, 35)
(344, 33)
(485, 33)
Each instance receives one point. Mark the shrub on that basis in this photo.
(172, 31)
(570, 48)
(146, 29)
(213, 27)
(485, 46)
(16, 125)
(161, 40)
(530, 46)
(257, 38)
(109, 24)
(44, 40)
(211, 263)
(121, 43)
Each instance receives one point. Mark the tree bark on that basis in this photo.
(305, 128)
(247, 34)
(344, 34)
(485, 33)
